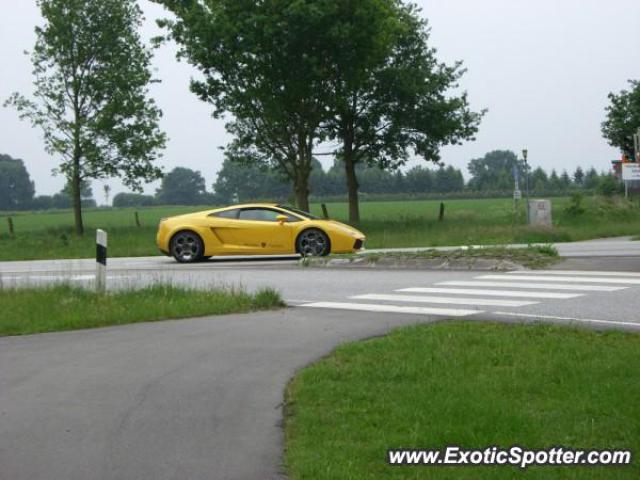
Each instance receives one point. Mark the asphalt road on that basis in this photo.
(193, 399)
(202, 398)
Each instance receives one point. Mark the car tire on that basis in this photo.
(313, 243)
(187, 247)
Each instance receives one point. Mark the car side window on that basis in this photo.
(259, 214)
(233, 214)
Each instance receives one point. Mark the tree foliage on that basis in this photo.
(623, 118)
(242, 182)
(91, 76)
(16, 187)
(182, 186)
(122, 200)
(494, 171)
(259, 62)
(296, 73)
(390, 96)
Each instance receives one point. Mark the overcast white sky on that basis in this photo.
(543, 68)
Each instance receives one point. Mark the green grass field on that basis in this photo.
(62, 307)
(468, 384)
(386, 224)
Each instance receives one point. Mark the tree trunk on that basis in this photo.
(352, 188)
(303, 171)
(76, 178)
(77, 195)
(350, 169)
(301, 189)
(302, 199)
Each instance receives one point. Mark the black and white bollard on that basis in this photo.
(101, 261)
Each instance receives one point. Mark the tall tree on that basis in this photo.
(16, 187)
(539, 181)
(565, 180)
(182, 186)
(591, 179)
(578, 177)
(242, 182)
(86, 192)
(390, 95)
(260, 62)
(494, 171)
(419, 180)
(107, 193)
(91, 77)
(623, 118)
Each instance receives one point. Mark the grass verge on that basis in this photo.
(48, 235)
(467, 384)
(531, 257)
(51, 309)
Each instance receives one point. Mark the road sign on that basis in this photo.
(630, 172)
(517, 195)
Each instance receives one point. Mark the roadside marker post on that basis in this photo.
(101, 261)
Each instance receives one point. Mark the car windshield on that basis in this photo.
(299, 212)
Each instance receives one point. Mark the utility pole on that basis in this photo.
(525, 154)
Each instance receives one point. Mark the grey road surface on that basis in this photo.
(195, 399)
(202, 399)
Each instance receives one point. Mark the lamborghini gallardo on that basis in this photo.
(254, 229)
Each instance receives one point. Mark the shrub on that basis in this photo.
(575, 207)
(609, 186)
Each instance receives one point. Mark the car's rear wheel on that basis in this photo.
(187, 247)
(313, 243)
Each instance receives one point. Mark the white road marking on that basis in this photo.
(58, 278)
(630, 281)
(72, 278)
(365, 307)
(533, 286)
(444, 300)
(570, 319)
(493, 293)
(575, 272)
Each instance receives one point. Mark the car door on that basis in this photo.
(259, 231)
(223, 228)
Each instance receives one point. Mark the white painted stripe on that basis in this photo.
(629, 281)
(444, 300)
(73, 278)
(365, 307)
(575, 272)
(493, 293)
(569, 319)
(64, 278)
(534, 286)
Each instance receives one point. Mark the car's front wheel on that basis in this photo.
(187, 247)
(313, 243)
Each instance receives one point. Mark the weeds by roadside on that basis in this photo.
(533, 256)
(64, 307)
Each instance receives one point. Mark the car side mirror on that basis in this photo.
(282, 219)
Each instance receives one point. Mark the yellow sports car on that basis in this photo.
(254, 229)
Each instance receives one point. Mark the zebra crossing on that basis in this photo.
(510, 290)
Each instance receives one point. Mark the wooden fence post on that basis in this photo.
(325, 212)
